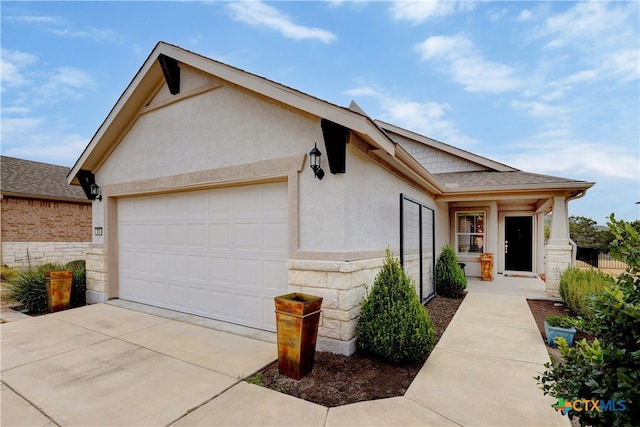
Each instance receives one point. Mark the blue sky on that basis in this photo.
(547, 87)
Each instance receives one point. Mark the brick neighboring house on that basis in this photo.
(43, 219)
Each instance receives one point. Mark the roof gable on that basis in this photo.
(27, 178)
(149, 82)
(422, 146)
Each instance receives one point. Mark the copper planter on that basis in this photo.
(58, 285)
(297, 318)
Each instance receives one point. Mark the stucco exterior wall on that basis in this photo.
(342, 224)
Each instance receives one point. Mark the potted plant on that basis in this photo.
(559, 326)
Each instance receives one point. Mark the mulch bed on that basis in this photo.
(339, 380)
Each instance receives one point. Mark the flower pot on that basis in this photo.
(297, 318)
(552, 332)
(486, 265)
(58, 284)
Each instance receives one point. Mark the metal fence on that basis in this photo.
(417, 245)
(599, 259)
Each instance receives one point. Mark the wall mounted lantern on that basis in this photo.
(314, 162)
(95, 192)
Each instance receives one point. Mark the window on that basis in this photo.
(470, 232)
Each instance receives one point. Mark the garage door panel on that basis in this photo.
(248, 309)
(275, 236)
(217, 253)
(199, 301)
(248, 273)
(221, 235)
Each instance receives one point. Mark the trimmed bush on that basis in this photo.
(449, 277)
(28, 287)
(393, 325)
(578, 286)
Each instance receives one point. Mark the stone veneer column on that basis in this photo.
(558, 250)
(558, 260)
(342, 287)
(97, 284)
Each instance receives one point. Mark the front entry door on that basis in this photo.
(518, 245)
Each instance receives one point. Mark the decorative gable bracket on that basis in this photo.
(335, 142)
(86, 179)
(171, 71)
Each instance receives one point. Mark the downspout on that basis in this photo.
(574, 246)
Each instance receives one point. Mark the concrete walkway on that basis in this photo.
(109, 365)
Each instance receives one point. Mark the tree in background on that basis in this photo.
(586, 233)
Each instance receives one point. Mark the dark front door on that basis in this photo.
(518, 245)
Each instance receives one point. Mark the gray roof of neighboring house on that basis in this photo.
(40, 180)
(496, 179)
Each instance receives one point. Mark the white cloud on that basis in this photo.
(12, 63)
(458, 56)
(558, 153)
(259, 14)
(586, 21)
(525, 15)
(61, 27)
(40, 138)
(417, 12)
(426, 118)
(540, 109)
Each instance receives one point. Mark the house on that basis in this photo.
(203, 185)
(43, 219)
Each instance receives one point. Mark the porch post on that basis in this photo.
(558, 250)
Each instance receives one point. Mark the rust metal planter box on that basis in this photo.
(58, 285)
(486, 265)
(297, 318)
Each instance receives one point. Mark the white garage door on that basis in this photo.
(215, 253)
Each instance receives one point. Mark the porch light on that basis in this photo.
(95, 192)
(314, 162)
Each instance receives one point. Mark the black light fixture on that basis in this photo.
(95, 192)
(314, 162)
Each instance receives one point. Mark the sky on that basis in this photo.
(546, 87)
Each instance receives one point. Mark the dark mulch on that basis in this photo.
(542, 308)
(339, 380)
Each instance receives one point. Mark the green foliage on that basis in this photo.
(560, 321)
(28, 287)
(578, 286)
(608, 368)
(393, 324)
(6, 273)
(586, 234)
(449, 277)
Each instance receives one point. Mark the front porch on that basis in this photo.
(526, 285)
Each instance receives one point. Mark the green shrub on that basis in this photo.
(577, 286)
(393, 324)
(609, 368)
(449, 277)
(28, 287)
(6, 273)
(78, 283)
(560, 321)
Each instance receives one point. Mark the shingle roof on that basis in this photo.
(28, 178)
(491, 179)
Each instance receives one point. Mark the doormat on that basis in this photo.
(528, 276)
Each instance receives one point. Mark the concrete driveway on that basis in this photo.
(110, 365)
(107, 365)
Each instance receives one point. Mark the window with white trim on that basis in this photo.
(470, 233)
